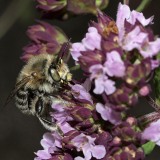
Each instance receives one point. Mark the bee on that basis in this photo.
(40, 80)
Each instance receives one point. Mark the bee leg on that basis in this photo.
(47, 124)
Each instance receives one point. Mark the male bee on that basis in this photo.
(39, 80)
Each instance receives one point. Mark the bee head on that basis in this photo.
(59, 72)
(45, 71)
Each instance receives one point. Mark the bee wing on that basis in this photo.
(18, 86)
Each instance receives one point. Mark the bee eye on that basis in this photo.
(54, 74)
(39, 106)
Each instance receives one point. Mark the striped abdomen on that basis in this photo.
(21, 100)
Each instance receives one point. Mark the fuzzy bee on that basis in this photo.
(39, 81)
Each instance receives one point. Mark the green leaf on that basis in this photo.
(158, 56)
(148, 147)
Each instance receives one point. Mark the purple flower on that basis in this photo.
(150, 48)
(96, 71)
(87, 84)
(114, 66)
(103, 84)
(91, 42)
(108, 114)
(43, 154)
(60, 116)
(152, 132)
(144, 91)
(50, 142)
(133, 35)
(124, 14)
(45, 39)
(87, 146)
(133, 39)
(60, 113)
(76, 50)
(117, 59)
(81, 94)
(65, 127)
(154, 64)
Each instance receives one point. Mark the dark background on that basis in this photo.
(20, 134)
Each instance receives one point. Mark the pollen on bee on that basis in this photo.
(69, 76)
(34, 74)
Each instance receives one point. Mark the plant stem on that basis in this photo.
(143, 5)
(11, 14)
(126, 2)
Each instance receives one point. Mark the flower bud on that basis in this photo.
(80, 114)
(45, 38)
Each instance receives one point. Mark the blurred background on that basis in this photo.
(20, 134)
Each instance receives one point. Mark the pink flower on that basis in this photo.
(134, 39)
(150, 48)
(103, 84)
(81, 93)
(92, 40)
(152, 132)
(125, 14)
(60, 113)
(50, 143)
(88, 147)
(155, 64)
(76, 50)
(108, 114)
(114, 66)
(96, 71)
(133, 35)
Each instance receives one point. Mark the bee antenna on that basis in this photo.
(63, 50)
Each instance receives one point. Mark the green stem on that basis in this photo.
(12, 13)
(126, 2)
(143, 5)
(75, 68)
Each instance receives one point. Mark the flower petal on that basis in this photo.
(76, 50)
(98, 151)
(92, 40)
(43, 154)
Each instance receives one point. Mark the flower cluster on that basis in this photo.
(52, 8)
(118, 59)
(88, 131)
